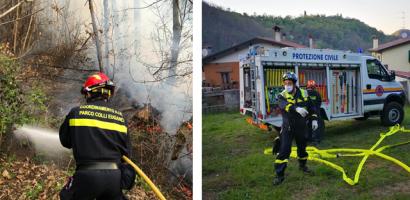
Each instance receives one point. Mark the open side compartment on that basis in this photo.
(345, 85)
(273, 86)
(318, 75)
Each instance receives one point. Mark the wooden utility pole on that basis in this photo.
(95, 34)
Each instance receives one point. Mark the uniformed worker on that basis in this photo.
(315, 136)
(295, 107)
(98, 136)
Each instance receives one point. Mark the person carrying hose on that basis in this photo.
(99, 138)
(314, 136)
(295, 107)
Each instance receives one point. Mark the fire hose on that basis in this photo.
(145, 177)
(318, 155)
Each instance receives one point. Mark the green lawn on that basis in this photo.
(234, 166)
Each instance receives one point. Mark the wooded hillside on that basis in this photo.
(223, 28)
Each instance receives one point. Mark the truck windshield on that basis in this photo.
(375, 70)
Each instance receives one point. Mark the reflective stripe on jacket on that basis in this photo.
(95, 132)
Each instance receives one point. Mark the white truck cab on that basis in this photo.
(351, 85)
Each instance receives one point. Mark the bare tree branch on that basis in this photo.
(16, 28)
(28, 32)
(11, 9)
(147, 6)
(61, 67)
(29, 15)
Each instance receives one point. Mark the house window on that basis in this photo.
(225, 78)
(409, 56)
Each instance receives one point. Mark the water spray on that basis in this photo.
(45, 141)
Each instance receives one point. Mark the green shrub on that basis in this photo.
(16, 106)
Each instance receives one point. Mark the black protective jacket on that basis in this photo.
(288, 104)
(315, 98)
(96, 133)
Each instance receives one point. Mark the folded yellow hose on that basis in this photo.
(317, 154)
(145, 177)
(267, 100)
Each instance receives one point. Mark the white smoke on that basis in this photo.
(131, 35)
(127, 47)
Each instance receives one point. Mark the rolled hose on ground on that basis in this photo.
(318, 155)
(145, 177)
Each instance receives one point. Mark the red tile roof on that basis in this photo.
(391, 44)
(286, 43)
(246, 44)
(403, 74)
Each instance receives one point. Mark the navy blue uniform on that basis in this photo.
(99, 137)
(315, 135)
(294, 127)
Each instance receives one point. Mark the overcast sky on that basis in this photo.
(384, 15)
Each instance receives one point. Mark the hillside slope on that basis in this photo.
(223, 28)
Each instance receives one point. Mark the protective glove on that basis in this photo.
(303, 112)
(314, 125)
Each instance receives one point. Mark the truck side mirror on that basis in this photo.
(392, 75)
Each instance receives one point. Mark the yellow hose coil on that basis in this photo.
(145, 177)
(317, 154)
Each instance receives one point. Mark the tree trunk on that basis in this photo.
(176, 39)
(96, 38)
(106, 22)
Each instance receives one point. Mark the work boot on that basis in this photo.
(278, 180)
(305, 169)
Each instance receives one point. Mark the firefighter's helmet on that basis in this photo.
(98, 83)
(290, 76)
(311, 84)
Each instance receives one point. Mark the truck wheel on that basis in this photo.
(392, 114)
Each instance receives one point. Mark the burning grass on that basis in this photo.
(154, 150)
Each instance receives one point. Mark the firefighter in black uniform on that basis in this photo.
(295, 107)
(315, 136)
(98, 136)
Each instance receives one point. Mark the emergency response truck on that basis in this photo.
(352, 85)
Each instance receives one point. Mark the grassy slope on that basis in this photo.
(234, 166)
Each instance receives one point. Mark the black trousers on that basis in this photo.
(316, 135)
(297, 132)
(93, 184)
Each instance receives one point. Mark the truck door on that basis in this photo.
(245, 89)
(374, 88)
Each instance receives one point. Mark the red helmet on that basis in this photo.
(99, 80)
(311, 84)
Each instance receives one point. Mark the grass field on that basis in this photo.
(234, 166)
